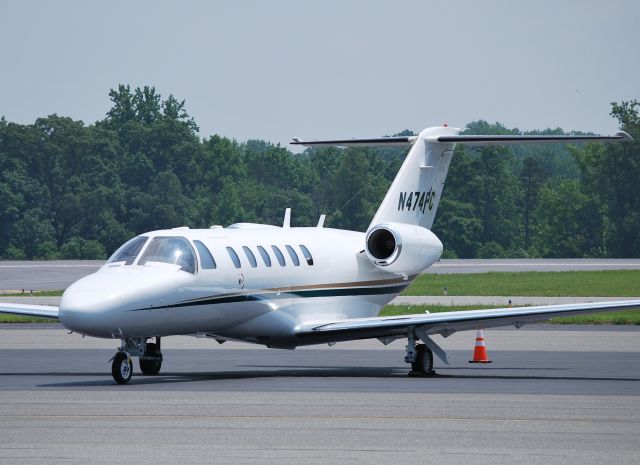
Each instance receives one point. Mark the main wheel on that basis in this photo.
(424, 360)
(151, 360)
(122, 368)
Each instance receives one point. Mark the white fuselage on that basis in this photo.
(254, 303)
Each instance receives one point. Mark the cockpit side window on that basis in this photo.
(206, 259)
(174, 250)
(129, 251)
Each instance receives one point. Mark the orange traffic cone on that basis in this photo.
(480, 351)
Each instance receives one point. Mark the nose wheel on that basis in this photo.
(122, 367)
(150, 358)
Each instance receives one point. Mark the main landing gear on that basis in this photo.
(420, 356)
(148, 352)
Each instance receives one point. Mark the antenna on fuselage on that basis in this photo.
(287, 218)
(321, 221)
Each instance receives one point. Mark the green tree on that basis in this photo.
(567, 222)
(610, 174)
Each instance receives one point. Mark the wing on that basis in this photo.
(447, 323)
(45, 311)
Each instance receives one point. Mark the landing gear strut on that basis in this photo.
(150, 358)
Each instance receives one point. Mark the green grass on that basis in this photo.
(627, 317)
(4, 318)
(618, 283)
(35, 294)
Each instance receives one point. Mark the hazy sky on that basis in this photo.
(276, 69)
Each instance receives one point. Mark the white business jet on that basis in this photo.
(285, 287)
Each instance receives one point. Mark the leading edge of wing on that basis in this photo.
(45, 311)
(449, 322)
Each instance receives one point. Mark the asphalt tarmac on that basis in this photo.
(54, 275)
(553, 395)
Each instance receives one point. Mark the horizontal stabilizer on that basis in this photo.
(44, 311)
(524, 139)
(405, 140)
(482, 140)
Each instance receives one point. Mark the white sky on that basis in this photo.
(276, 69)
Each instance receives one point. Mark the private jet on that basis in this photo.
(285, 287)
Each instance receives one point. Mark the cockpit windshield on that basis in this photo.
(174, 250)
(129, 251)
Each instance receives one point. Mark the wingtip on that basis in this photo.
(625, 136)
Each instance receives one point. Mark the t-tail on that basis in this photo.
(415, 193)
(399, 238)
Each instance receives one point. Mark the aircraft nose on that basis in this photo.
(86, 308)
(100, 304)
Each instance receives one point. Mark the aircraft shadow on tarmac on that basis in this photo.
(302, 372)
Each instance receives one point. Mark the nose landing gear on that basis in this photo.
(150, 358)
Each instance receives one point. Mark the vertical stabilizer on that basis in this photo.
(415, 193)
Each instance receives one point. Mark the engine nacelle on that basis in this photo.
(402, 248)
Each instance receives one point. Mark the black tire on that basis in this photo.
(150, 365)
(122, 368)
(424, 360)
(151, 360)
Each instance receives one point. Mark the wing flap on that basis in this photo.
(45, 311)
(449, 322)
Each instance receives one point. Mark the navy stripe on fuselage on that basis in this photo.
(272, 295)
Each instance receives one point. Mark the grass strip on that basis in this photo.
(610, 283)
(33, 294)
(5, 318)
(625, 317)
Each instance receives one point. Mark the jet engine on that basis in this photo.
(402, 248)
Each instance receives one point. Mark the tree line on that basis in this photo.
(71, 190)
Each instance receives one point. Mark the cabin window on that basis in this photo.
(265, 256)
(293, 254)
(172, 250)
(206, 259)
(307, 255)
(129, 251)
(250, 256)
(234, 257)
(279, 255)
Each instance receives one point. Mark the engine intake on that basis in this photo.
(402, 248)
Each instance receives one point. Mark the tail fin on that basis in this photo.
(415, 193)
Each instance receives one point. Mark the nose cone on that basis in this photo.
(102, 304)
